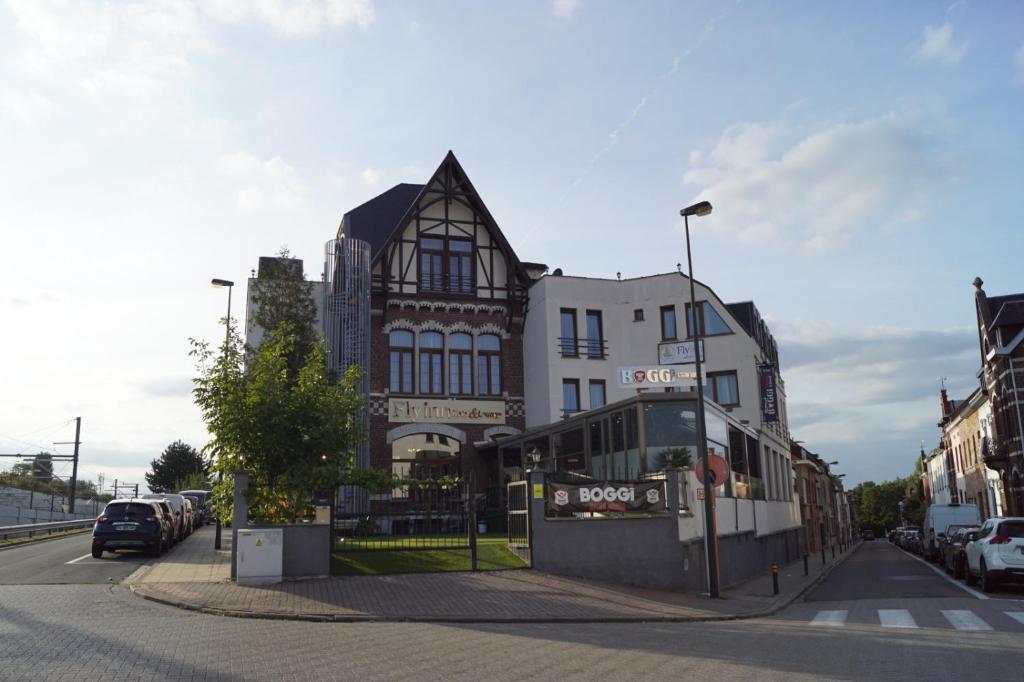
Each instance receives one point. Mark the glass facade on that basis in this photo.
(635, 438)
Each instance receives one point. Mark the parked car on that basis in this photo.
(997, 554)
(910, 539)
(168, 512)
(190, 521)
(939, 517)
(198, 513)
(177, 503)
(953, 558)
(867, 534)
(203, 496)
(130, 524)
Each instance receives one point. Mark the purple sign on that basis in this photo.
(769, 394)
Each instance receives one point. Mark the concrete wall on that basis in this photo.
(649, 552)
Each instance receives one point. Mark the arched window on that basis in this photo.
(460, 364)
(488, 364)
(431, 357)
(400, 343)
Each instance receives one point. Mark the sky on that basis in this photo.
(864, 161)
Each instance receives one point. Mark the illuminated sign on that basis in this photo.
(407, 410)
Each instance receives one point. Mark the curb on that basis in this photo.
(140, 591)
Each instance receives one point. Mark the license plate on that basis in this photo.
(125, 526)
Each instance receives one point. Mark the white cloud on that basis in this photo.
(937, 46)
(564, 10)
(294, 18)
(1018, 64)
(868, 396)
(819, 190)
(371, 176)
(264, 183)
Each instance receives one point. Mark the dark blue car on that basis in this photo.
(130, 524)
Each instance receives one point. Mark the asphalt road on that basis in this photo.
(871, 630)
(62, 561)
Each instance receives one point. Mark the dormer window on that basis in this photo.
(446, 265)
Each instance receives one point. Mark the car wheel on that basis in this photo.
(97, 553)
(988, 583)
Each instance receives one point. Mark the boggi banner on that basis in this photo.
(606, 496)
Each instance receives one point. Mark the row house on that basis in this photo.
(1000, 325)
(825, 510)
(958, 474)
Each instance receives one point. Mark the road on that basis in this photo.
(89, 631)
(64, 560)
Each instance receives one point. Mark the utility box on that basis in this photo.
(260, 556)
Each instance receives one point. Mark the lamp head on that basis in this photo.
(222, 282)
(699, 209)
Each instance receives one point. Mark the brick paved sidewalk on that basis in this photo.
(195, 576)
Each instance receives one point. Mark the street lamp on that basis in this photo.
(220, 283)
(702, 208)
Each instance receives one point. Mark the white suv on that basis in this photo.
(997, 553)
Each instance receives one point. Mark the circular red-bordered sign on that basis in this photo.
(719, 469)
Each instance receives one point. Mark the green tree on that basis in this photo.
(197, 480)
(674, 458)
(292, 433)
(282, 294)
(178, 461)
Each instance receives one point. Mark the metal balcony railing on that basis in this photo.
(570, 347)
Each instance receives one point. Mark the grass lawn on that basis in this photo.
(492, 555)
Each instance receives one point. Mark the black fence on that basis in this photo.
(422, 517)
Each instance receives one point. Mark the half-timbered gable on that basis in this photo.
(442, 243)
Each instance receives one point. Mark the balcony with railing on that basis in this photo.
(448, 284)
(570, 347)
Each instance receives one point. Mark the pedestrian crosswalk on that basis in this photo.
(957, 619)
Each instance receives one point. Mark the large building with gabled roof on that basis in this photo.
(447, 301)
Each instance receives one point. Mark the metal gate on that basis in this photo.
(416, 517)
(519, 515)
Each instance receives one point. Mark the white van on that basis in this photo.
(939, 517)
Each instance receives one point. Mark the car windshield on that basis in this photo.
(128, 511)
(1013, 529)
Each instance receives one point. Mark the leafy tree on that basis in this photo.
(292, 433)
(197, 480)
(282, 294)
(178, 461)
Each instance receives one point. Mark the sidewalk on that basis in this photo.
(195, 576)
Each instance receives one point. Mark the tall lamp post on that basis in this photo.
(710, 526)
(227, 339)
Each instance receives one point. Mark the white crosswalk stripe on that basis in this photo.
(896, 618)
(830, 618)
(965, 620)
(1016, 615)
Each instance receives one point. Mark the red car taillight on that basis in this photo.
(101, 519)
(1000, 540)
(151, 519)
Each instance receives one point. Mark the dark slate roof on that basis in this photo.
(995, 303)
(1009, 314)
(374, 221)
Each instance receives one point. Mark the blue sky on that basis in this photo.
(864, 160)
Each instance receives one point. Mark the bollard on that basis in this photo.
(805, 564)
(775, 579)
(833, 551)
(823, 555)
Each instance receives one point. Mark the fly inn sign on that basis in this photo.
(404, 410)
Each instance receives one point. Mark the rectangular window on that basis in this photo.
(597, 397)
(595, 335)
(724, 388)
(567, 341)
(446, 264)
(570, 396)
(668, 323)
(638, 315)
(709, 321)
